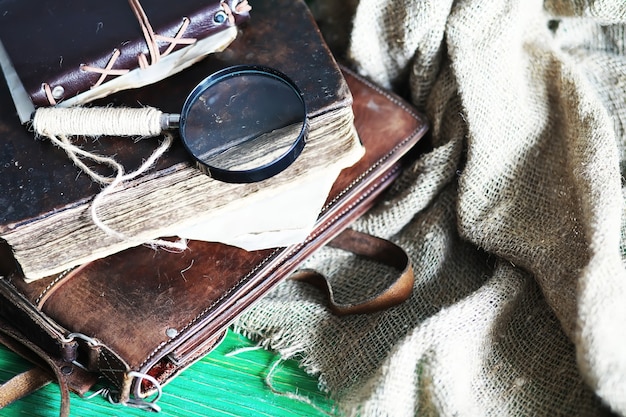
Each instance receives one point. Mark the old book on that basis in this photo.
(73, 52)
(46, 220)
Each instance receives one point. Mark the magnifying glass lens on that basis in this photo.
(244, 124)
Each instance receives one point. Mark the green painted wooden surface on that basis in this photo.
(218, 385)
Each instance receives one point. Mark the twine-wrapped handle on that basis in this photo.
(99, 121)
(57, 124)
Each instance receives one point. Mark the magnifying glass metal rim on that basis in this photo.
(262, 172)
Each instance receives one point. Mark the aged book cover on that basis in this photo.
(112, 45)
(46, 200)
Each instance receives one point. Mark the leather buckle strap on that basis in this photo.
(377, 249)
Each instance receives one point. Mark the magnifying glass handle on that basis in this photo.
(102, 121)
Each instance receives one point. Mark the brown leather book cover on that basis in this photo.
(57, 58)
(39, 184)
(155, 313)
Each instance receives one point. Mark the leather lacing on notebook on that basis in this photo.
(152, 41)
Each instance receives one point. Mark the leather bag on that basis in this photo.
(140, 317)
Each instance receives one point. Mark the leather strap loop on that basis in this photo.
(377, 249)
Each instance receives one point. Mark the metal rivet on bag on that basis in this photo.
(67, 370)
(171, 333)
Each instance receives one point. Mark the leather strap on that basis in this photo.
(28, 382)
(374, 248)
(23, 384)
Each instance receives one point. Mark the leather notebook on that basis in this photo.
(110, 46)
(140, 317)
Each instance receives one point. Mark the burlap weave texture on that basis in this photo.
(514, 219)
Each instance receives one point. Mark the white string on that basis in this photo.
(239, 351)
(141, 403)
(269, 379)
(74, 151)
(301, 398)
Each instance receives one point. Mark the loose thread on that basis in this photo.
(301, 398)
(74, 152)
(239, 351)
(269, 379)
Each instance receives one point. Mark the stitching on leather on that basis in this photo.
(48, 334)
(147, 30)
(349, 208)
(402, 105)
(240, 7)
(177, 39)
(387, 94)
(107, 70)
(109, 372)
(203, 312)
(49, 96)
(360, 178)
(151, 39)
(267, 259)
(165, 375)
(49, 287)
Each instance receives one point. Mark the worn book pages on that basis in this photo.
(285, 218)
(156, 205)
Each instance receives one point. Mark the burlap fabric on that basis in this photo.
(514, 219)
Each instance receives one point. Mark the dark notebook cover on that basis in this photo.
(47, 49)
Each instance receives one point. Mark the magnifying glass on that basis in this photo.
(241, 124)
